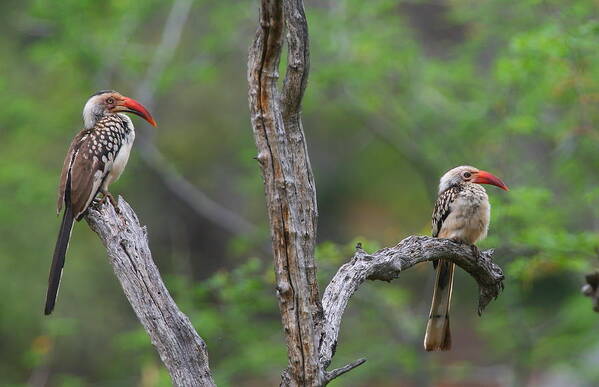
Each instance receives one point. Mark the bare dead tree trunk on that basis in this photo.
(288, 180)
(181, 349)
(311, 331)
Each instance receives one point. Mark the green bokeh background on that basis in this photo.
(399, 92)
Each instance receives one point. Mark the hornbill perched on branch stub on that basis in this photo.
(462, 213)
(96, 158)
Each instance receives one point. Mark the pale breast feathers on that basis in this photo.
(462, 213)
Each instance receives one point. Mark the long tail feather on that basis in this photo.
(58, 260)
(438, 335)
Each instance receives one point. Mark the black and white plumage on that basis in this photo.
(462, 213)
(96, 158)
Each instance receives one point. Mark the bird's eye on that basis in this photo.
(110, 100)
(466, 175)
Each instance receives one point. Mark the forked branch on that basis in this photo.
(311, 328)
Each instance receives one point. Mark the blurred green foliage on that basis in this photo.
(399, 92)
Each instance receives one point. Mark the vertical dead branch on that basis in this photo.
(181, 349)
(288, 180)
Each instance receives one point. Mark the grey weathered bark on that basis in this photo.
(288, 180)
(180, 347)
(311, 331)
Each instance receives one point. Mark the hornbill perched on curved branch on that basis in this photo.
(462, 213)
(97, 156)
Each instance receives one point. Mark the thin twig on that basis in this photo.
(346, 368)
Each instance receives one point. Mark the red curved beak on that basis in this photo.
(484, 177)
(132, 106)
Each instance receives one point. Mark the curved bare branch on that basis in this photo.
(388, 263)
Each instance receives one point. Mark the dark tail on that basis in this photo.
(58, 260)
(438, 335)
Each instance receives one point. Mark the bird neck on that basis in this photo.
(127, 122)
(444, 185)
(461, 186)
(474, 190)
(92, 113)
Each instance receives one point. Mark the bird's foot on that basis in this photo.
(108, 195)
(476, 252)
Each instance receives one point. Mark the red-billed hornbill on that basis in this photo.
(97, 156)
(462, 213)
